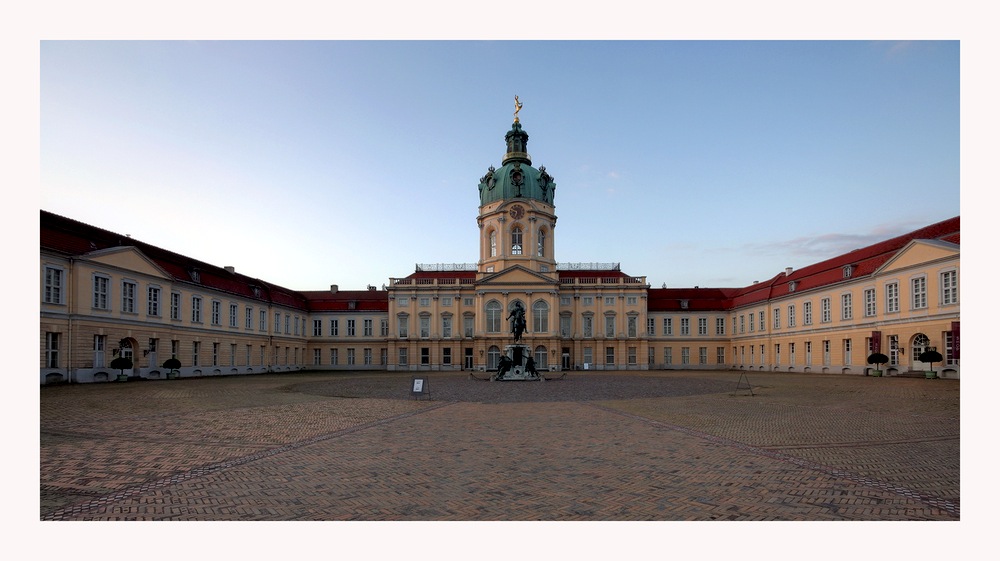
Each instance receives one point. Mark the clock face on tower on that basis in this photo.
(516, 212)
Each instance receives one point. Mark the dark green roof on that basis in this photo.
(516, 178)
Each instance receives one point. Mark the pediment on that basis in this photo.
(518, 276)
(918, 252)
(128, 258)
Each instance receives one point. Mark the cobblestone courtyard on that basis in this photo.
(659, 446)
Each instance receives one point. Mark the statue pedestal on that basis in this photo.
(521, 365)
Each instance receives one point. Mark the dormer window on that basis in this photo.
(848, 270)
(791, 286)
(195, 275)
(684, 304)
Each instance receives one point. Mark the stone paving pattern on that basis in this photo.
(284, 447)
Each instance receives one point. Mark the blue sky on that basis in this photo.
(708, 163)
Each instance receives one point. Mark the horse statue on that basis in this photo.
(517, 323)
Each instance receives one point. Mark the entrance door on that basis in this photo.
(920, 344)
(565, 358)
(468, 358)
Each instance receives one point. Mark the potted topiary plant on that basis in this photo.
(173, 365)
(121, 363)
(930, 357)
(877, 359)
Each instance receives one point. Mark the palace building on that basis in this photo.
(104, 295)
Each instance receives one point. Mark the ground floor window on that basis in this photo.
(52, 350)
(609, 356)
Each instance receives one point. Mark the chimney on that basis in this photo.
(788, 271)
(334, 288)
(230, 269)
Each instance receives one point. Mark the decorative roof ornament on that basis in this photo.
(517, 107)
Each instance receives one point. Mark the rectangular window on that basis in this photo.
(668, 355)
(334, 328)
(351, 330)
(468, 325)
(685, 355)
(777, 318)
(847, 351)
(383, 329)
(588, 326)
(51, 350)
(760, 320)
(685, 326)
(402, 326)
(295, 325)
(870, 302)
(446, 301)
(195, 350)
(195, 309)
(402, 301)
(751, 322)
(702, 326)
(632, 300)
(791, 354)
(277, 324)
(262, 322)
(152, 301)
(233, 313)
(317, 357)
(100, 301)
(248, 320)
(720, 355)
(403, 359)
(425, 301)
(791, 315)
(892, 297)
(826, 352)
(720, 326)
(609, 326)
(609, 300)
(668, 326)
(846, 306)
(175, 305)
(216, 312)
(633, 326)
(215, 354)
(468, 301)
(232, 354)
(702, 355)
(825, 312)
(446, 356)
(53, 286)
(350, 357)
(919, 293)
(128, 297)
(100, 342)
(949, 288)
(425, 356)
(317, 328)
(367, 356)
(650, 327)
(333, 357)
(369, 328)
(807, 313)
(588, 300)
(633, 355)
(609, 356)
(742, 324)
(588, 355)
(446, 326)
(565, 324)
(288, 322)
(425, 326)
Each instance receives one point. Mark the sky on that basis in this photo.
(311, 163)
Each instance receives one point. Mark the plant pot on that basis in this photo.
(929, 374)
(876, 373)
(171, 375)
(123, 377)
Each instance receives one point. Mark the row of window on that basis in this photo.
(918, 301)
(685, 326)
(517, 242)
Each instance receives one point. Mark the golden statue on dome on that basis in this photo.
(517, 107)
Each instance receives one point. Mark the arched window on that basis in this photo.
(516, 241)
(540, 317)
(493, 243)
(493, 357)
(494, 313)
(541, 357)
(541, 242)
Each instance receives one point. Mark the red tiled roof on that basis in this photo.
(698, 299)
(70, 237)
(347, 300)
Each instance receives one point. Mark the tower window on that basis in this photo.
(516, 241)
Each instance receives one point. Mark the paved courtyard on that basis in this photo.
(595, 446)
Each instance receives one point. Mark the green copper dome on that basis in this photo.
(516, 178)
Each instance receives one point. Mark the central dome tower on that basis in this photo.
(517, 210)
